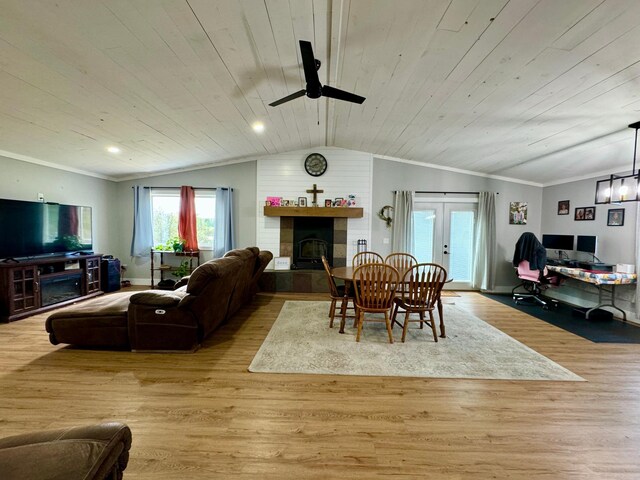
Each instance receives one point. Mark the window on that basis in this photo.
(165, 207)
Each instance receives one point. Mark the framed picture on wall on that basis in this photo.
(585, 213)
(518, 213)
(563, 207)
(589, 213)
(615, 217)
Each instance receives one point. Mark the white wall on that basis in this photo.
(23, 181)
(372, 180)
(615, 244)
(241, 177)
(391, 175)
(283, 175)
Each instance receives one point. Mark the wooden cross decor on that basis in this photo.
(315, 192)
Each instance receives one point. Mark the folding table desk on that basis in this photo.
(600, 280)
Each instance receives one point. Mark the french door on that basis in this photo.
(443, 234)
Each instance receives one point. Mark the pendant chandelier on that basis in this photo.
(621, 188)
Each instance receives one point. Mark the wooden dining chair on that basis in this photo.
(401, 262)
(366, 257)
(375, 286)
(337, 293)
(423, 285)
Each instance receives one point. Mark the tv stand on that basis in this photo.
(37, 285)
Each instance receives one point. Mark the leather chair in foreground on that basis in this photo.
(96, 452)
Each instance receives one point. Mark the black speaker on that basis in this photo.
(110, 274)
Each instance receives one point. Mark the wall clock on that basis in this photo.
(315, 164)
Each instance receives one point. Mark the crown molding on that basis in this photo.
(458, 170)
(36, 161)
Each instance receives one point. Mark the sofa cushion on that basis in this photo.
(243, 292)
(115, 304)
(99, 322)
(158, 298)
(205, 273)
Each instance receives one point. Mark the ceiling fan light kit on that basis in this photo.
(621, 188)
(314, 89)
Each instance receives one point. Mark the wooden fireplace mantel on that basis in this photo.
(343, 212)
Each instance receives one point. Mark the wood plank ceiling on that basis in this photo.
(537, 90)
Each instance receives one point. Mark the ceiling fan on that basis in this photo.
(313, 88)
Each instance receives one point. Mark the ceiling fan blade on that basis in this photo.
(338, 94)
(293, 96)
(309, 65)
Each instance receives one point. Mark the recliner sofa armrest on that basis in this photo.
(93, 452)
(182, 282)
(155, 298)
(158, 321)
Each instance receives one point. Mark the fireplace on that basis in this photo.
(312, 238)
(333, 231)
(311, 278)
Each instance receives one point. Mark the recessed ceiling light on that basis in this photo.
(258, 127)
(113, 150)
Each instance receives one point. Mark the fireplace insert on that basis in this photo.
(312, 238)
(59, 287)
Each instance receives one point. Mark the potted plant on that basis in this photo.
(182, 270)
(178, 244)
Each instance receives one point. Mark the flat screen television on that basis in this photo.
(557, 242)
(587, 243)
(31, 229)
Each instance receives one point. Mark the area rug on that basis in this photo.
(301, 341)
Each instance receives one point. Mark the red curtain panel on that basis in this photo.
(187, 218)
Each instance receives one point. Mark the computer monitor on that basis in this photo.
(587, 243)
(557, 242)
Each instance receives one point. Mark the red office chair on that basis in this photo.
(533, 285)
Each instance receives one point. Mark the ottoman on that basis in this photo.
(100, 322)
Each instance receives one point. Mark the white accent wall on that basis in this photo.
(283, 175)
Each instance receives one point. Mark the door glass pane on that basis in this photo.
(461, 251)
(423, 234)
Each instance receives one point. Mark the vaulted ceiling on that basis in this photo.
(537, 90)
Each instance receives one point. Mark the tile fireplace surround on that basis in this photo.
(304, 281)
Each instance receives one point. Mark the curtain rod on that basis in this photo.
(195, 188)
(445, 193)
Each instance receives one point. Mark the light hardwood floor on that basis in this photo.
(203, 416)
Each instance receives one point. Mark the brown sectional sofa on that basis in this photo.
(177, 320)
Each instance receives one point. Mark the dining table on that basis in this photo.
(346, 274)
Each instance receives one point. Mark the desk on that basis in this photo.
(346, 274)
(600, 280)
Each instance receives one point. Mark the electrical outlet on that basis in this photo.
(41, 197)
(385, 241)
